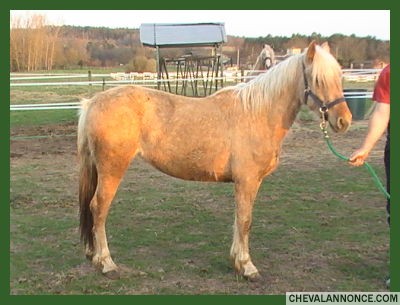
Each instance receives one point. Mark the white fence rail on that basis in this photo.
(150, 79)
(361, 75)
(50, 106)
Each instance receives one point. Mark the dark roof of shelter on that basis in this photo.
(179, 35)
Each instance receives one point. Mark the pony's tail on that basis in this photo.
(87, 180)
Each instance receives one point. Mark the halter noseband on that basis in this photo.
(265, 63)
(323, 107)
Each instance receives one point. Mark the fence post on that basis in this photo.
(104, 83)
(90, 81)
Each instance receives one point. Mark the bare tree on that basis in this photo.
(32, 43)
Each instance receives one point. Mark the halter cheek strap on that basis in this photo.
(319, 102)
(323, 107)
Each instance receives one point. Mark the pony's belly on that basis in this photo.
(206, 176)
(194, 171)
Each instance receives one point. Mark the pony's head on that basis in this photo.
(267, 57)
(323, 86)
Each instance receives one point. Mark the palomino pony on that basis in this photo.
(234, 135)
(265, 61)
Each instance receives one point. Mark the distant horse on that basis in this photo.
(234, 135)
(265, 61)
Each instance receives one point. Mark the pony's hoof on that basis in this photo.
(253, 277)
(388, 283)
(112, 274)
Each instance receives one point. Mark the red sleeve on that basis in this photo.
(382, 87)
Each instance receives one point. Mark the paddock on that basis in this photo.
(319, 224)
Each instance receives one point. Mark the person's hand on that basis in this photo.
(358, 157)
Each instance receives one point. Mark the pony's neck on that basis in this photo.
(286, 102)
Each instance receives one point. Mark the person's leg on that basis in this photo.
(387, 170)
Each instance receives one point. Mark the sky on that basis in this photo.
(247, 23)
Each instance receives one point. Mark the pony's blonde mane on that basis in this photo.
(266, 88)
(261, 91)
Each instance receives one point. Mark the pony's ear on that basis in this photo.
(326, 47)
(311, 51)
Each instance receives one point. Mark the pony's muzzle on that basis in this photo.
(343, 123)
(340, 117)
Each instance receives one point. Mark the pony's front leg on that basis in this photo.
(245, 193)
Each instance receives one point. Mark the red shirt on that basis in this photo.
(382, 87)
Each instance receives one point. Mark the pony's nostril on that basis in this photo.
(342, 124)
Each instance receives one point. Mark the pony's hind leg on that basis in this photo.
(245, 193)
(110, 175)
(99, 207)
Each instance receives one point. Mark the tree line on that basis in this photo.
(35, 45)
(348, 50)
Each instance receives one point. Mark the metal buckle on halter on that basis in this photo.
(307, 91)
(323, 109)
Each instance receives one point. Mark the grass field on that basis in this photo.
(319, 225)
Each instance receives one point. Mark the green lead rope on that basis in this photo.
(366, 164)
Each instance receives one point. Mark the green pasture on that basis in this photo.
(40, 117)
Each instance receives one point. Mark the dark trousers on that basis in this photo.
(387, 170)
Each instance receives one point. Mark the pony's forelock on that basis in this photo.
(325, 70)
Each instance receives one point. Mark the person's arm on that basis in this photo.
(376, 127)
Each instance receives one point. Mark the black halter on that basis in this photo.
(267, 67)
(323, 107)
